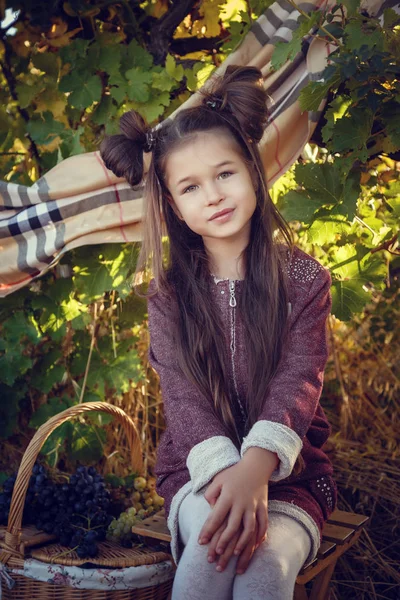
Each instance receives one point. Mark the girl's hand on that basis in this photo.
(244, 558)
(250, 476)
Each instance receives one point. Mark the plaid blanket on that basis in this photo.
(80, 202)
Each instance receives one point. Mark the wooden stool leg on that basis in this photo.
(320, 588)
(300, 592)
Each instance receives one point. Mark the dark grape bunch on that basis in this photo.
(76, 512)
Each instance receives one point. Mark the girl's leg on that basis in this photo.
(272, 571)
(195, 577)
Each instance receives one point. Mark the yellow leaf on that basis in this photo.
(52, 100)
(62, 40)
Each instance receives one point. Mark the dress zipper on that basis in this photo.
(232, 304)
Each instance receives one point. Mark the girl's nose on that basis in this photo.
(213, 195)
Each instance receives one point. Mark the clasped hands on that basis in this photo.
(239, 520)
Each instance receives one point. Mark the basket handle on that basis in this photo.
(13, 533)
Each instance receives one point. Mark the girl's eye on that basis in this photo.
(228, 173)
(188, 189)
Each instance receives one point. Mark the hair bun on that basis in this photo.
(239, 91)
(123, 153)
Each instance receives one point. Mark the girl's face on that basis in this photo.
(211, 187)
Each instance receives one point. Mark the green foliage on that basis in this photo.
(341, 199)
(70, 71)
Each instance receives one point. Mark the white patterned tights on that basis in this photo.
(272, 571)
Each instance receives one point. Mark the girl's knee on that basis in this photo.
(193, 513)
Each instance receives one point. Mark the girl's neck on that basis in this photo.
(226, 259)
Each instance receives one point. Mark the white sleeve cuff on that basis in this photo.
(276, 438)
(209, 457)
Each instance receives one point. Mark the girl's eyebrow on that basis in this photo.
(218, 166)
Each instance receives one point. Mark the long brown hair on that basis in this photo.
(237, 104)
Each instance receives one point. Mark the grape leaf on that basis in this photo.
(87, 443)
(9, 407)
(26, 93)
(138, 84)
(358, 35)
(323, 179)
(327, 229)
(352, 131)
(174, 71)
(348, 298)
(315, 92)
(44, 129)
(47, 62)
(47, 410)
(88, 92)
(286, 50)
(154, 107)
(299, 206)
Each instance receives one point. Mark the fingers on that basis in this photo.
(224, 558)
(247, 554)
(212, 546)
(249, 527)
(213, 522)
(231, 529)
(262, 523)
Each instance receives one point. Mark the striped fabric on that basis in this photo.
(80, 202)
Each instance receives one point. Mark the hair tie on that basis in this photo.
(150, 140)
(215, 103)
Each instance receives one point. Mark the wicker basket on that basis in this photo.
(14, 549)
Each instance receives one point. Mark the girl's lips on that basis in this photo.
(223, 215)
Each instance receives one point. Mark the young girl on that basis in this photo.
(237, 319)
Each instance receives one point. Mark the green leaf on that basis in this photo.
(43, 129)
(105, 111)
(13, 364)
(163, 81)
(315, 92)
(337, 108)
(351, 270)
(136, 56)
(154, 107)
(115, 374)
(358, 35)
(298, 206)
(47, 62)
(353, 131)
(118, 87)
(71, 144)
(327, 229)
(26, 93)
(89, 91)
(390, 18)
(18, 328)
(348, 298)
(323, 179)
(173, 70)
(352, 7)
(87, 443)
(47, 374)
(9, 407)
(52, 407)
(351, 194)
(285, 51)
(138, 84)
(106, 270)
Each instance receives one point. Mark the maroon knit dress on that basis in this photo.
(194, 446)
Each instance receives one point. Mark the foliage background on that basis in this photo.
(68, 70)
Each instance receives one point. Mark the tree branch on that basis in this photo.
(163, 30)
(6, 68)
(185, 45)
